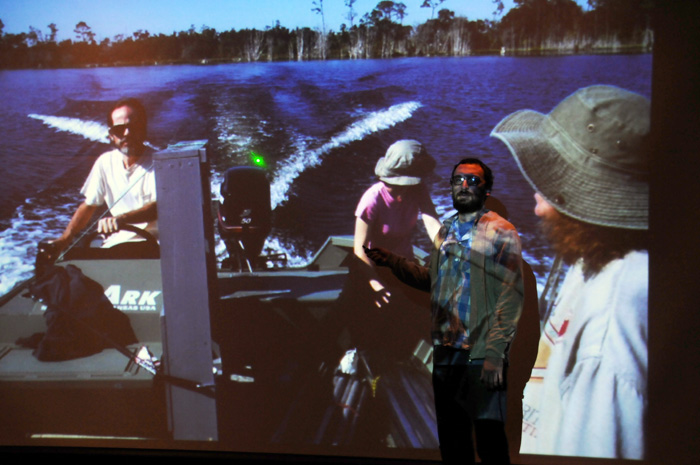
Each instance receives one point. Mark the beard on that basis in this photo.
(468, 202)
(131, 148)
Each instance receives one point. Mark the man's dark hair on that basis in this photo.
(133, 103)
(488, 175)
(596, 245)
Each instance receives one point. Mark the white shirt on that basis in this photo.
(587, 392)
(122, 190)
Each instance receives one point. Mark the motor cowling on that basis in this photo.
(245, 215)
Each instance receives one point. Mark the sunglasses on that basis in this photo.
(119, 130)
(472, 180)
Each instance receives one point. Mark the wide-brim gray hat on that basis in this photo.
(589, 157)
(406, 163)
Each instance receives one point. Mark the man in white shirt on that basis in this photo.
(122, 179)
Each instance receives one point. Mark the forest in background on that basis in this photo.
(531, 27)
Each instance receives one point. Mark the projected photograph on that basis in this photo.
(328, 137)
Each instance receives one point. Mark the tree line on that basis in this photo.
(530, 27)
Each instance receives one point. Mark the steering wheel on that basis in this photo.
(150, 239)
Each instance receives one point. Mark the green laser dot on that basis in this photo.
(257, 159)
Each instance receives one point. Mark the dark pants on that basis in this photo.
(463, 405)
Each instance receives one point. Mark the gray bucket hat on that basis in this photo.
(589, 157)
(406, 163)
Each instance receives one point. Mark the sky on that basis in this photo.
(108, 18)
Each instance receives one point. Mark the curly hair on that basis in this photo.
(596, 245)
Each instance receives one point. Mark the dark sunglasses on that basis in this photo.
(458, 180)
(119, 130)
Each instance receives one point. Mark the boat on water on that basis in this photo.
(261, 363)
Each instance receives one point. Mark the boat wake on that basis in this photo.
(32, 223)
(18, 242)
(298, 162)
(90, 130)
(304, 158)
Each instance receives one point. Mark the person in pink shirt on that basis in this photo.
(388, 211)
(377, 322)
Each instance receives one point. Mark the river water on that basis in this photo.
(320, 126)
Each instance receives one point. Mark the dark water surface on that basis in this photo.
(321, 126)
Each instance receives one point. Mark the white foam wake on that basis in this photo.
(30, 224)
(91, 130)
(377, 121)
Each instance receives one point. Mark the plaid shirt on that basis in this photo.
(450, 296)
(495, 288)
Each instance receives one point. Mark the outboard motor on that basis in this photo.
(245, 216)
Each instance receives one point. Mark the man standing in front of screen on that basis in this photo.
(588, 161)
(475, 279)
(124, 180)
